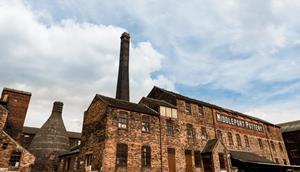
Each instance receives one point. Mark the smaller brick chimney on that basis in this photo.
(123, 76)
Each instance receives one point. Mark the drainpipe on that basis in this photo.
(160, 142)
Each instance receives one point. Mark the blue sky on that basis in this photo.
(242, 55)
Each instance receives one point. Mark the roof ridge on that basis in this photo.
(214, 105)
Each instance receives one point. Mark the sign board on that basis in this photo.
(238, 122)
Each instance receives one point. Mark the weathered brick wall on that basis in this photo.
(94, 134)
(134, 138)
(26, 161)
(3, 117)
(17, 105)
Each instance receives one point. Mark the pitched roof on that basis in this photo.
(210, 145)
(248, 157)
(118, 103)
(156, 102)
(290, 126)
(34, 130)
(191, 100)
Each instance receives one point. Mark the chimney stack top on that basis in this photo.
(57, 106)
(125, 35)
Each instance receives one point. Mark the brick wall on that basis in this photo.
(17, 105)
(3, 117)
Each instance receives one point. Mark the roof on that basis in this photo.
(156, 102)
(191, 100)
(249, 157)
(17, 91)
(210, 145)
(290, 126)
(34, 130)
(127, 105)
(71, 152)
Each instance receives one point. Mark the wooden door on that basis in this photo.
(171, 160)
(188, 161)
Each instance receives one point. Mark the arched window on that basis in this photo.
(230, 140)
(238, 140)
(246, 141)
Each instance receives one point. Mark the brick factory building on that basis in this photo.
(13, 108)
(291, 136)
(167, 131)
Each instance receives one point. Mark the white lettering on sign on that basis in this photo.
(238, 122)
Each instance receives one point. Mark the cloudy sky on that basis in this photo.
(242, 55)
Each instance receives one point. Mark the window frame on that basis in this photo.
(247, 143)
(204, 134)
(15, 159)
(145, 122)
(260, 143)
(238, 140)
(188, 108)
(170, 128)
(230, 138)
(189, 131)
(146, 156)
(123, 120)
(197, 159)
(222, 161)
(122, 155)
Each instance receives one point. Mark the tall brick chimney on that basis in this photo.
(123, 76)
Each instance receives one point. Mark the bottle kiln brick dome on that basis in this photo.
(50, 141)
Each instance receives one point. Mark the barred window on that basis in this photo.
(146, 156)
(260, 143)
(230, 140)
(246, 141)
(88, 159)
(204, 134)
(197, 156)
(170, 130)
(188, 108)
(190, 130)
(122, 120)
(145, 123)
(238, 140)
(122, 150)
(14, 160)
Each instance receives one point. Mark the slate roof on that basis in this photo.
(34, 130)
(249, 157)
(156, 102)
(122, 104)
(191, 100)
(210, 145)
(290, 126)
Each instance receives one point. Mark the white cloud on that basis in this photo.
(68, 61)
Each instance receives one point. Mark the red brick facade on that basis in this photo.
(193, 126)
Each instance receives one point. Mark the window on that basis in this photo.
(145, 123)
(272, 145)
(190, 131)
(14, 160)
(238, 140)
(230, 140)
(200, 110)
(204, 134)
(219, 135)
(4, 145)
(122, 155)
(188, 160)
(188, 108)
(88, 159)
(222, 161)
(246, 141)
(123, 120)
(197, 156)
(280, 147)
(284, 162)
(170, 130)
(260, 143)
(146, 156)
(295, 153)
